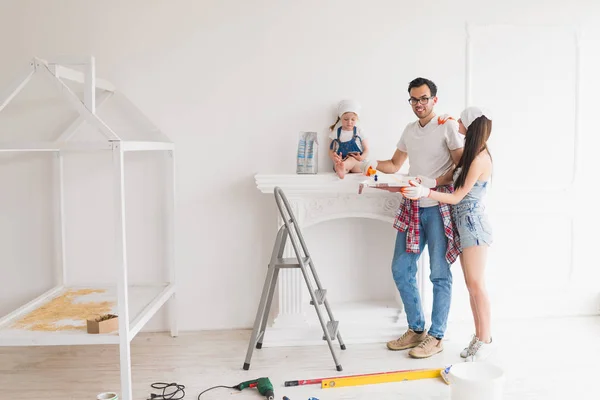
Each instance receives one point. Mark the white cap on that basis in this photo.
(469, 115)
(348, 106)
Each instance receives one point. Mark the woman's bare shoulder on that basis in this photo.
(483, 163)
(483, 158)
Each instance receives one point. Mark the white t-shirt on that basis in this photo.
(345, 136)
(428, 148)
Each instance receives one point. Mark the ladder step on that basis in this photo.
(320, 295)
(290, 262)
(332, 329)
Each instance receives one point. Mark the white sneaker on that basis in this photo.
(480, 351)
(465, 351)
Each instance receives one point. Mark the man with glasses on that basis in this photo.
(432, 145)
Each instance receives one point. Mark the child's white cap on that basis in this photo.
(348, 106)
(469, 115)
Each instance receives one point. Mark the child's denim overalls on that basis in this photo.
(347, 147)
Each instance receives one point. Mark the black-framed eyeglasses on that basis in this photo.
(422, 100)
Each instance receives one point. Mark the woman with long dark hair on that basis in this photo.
(470, 178)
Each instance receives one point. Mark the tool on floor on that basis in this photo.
(170, 391)
(263, 385)
(302, 260)
(319, 381)
(370, 379)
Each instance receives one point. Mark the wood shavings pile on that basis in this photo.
(64, 307)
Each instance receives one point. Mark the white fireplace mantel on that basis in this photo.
(322, 197)
(315, 199)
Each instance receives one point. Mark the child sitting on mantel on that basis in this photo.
(348, 147)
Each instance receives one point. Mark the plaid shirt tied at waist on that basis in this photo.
(407, 219)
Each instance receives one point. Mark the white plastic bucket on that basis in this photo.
(476, 381)
(107, 396)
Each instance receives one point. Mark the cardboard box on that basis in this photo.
(103, 324)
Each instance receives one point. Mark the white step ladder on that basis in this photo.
(302, 261)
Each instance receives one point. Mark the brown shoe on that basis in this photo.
(427, 348)
(408, 340)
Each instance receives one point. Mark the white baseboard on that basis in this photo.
(378, 322)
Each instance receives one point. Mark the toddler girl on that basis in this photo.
(348, 145)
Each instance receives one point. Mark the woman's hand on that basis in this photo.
(415, 191)
(427, 181)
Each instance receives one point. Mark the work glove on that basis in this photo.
(427, 181)
(415, 191)
(368, 167)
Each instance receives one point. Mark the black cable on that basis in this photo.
(177, 388)
(215, 387)
(167, 396)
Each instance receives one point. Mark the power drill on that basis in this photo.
(263, 385)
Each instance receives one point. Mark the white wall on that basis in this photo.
(232, 83)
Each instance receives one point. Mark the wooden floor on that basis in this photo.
(543, 359)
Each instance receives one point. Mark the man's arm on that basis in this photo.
(392, 166)
(454, 140)
(456, 155)
(446, 178)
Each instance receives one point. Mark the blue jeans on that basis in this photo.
(404, 270)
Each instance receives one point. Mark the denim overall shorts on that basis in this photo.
(471, 220)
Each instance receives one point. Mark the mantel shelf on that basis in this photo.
(325, 183)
